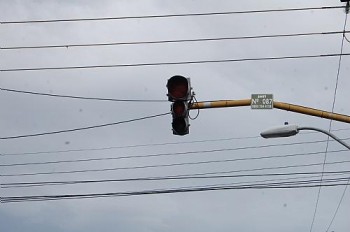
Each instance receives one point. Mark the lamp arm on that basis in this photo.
(327, 133)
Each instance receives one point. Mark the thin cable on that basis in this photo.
(80, 97)
(171, 63)
(338, 207)
(83, 128)
(346, 38)
(147, 145)
(198, 111)
(76, 197)
(178, 177)
(172, 41)
(171, 15)
(341, 129)
(307, 181)
(335, 94)
(330, 127)
(180, 154)
(240, 183)
(129, 146)
(162, 166)
(274, 185)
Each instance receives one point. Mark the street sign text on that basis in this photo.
(262, 101)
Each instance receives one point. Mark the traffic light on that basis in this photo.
(179, 92)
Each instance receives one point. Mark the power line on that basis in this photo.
(172, 41)
(307, 181)
(72, 197)
(83, 128)
(346, 38)
(163, 166)
(172, 63)
(177, 177)
(341, 129)
(173, 153)
(180, 154)
(80, 97)
(269, 180)
(171, 15)
(129, 146)
(338, 206)
(274, 185)
(330, 126)
(122, 194)
(145, 145)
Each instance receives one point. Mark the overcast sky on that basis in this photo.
(310, 82)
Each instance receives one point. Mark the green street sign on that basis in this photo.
(262, 101)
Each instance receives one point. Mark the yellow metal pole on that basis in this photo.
(278, 105)
(312, 112)
(220, 104)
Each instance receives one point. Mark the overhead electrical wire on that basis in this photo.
(162, 166)
(280, 179)
(80, 97)
(338, 206)
(129, 146)
(171, 15)
(179, 177)
(303, 181)
(159, 178)
(333, 106)
(123, 194)
(330, 126)
(272, 185)
(346, 38)
(83, 128)
(306, 181)
(340, 129)
(167, 154)
(145, 145)
(172, 63)
(180, 154)
(173, 41)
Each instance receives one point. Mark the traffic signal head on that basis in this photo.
(179, 92)
(179, 88)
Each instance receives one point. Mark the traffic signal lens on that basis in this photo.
(179, 109)
(180, 126)
(178, 87)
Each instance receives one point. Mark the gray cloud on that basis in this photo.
(309, 82)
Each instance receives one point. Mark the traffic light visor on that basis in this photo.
(178, 87)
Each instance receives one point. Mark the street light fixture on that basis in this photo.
(291, 130)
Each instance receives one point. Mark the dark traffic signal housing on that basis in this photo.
(179, 92)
